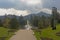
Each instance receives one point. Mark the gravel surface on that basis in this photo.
(23, 35)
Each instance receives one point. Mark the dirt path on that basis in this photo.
(23, 35)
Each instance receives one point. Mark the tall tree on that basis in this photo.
(6, 22)
(43, 22)
(35, 21)
(14, 24)
(1, 23)
(22, 21)
(54, 17)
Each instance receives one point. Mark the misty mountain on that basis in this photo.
(38, 14)
(43, 13)
(28, 16)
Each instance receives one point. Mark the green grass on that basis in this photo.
(4, 32)
(48, 32)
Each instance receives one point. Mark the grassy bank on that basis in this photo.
(49, 33)
(4, 33)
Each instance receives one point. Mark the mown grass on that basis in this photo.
(4, 33)
(49, 33)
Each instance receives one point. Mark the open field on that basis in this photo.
(49, 33)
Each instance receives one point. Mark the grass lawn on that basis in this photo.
(4, 32)
(48, 32)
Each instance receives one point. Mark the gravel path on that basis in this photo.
(23, 35)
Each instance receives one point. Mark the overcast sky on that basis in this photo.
(29, 5)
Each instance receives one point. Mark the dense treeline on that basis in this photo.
(43, 21)
(12, 23)
(40, 21)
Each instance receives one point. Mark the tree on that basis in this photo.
(58, 17)
(40, 24)
(54, 17)
(1, 23)
(6, 22)
(14, 24)
(43, 22)
(22, 21)
(35, 21)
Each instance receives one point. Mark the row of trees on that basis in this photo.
(43, 21)
(40, 22)
(13, 23)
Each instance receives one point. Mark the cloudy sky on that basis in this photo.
(26, 6)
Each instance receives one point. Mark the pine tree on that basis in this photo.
(54, 17)
(1, 23)
(6, 22)
(35, 21)
(22, 21)
(14, 24)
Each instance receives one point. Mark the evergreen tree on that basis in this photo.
(6, 22)
(22, 21)
(35, 21)
(54, 17)
(43, 22)
(14, 24)
(1, 23)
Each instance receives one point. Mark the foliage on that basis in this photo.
(22, 21)
(43, 22)
(6, 22)
(1, 23)
(40, 22)
(35, 21)
(14, 24)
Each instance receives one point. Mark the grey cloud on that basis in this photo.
(17, 4)
(51, 3)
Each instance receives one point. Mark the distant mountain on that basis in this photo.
(28, 16)
(38, 14)
(43, 13)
